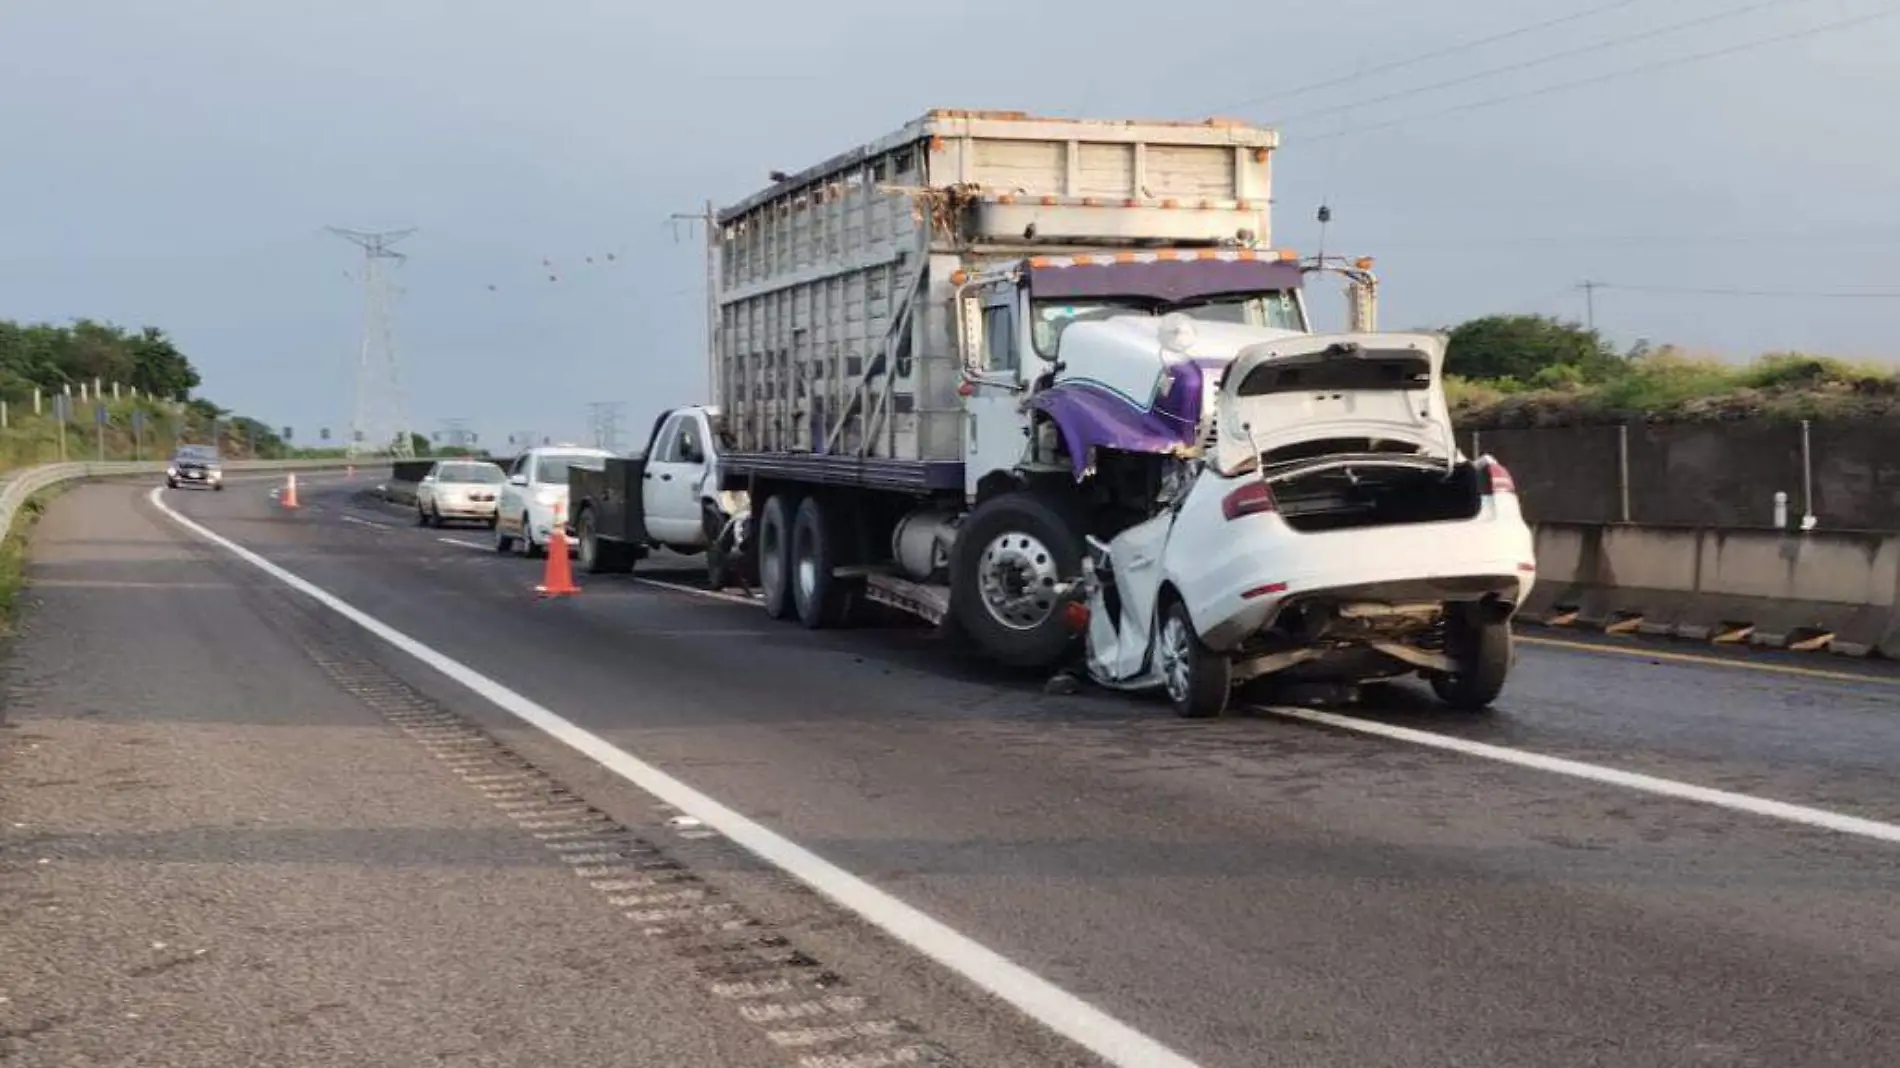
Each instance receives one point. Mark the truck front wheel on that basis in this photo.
(1012, 555)
(775, 555)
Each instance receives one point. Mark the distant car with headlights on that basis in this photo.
(535, 493)
(468, 490)
(195, 465)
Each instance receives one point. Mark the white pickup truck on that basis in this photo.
(667, 497)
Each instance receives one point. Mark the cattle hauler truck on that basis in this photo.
(953, 359)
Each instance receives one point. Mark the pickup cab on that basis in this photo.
(666, 497)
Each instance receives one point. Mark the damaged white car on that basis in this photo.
(1330, 532)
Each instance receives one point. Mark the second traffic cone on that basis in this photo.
(557, 578)
(290, 491)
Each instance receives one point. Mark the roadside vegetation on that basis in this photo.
(1529, 371)
(145, 384)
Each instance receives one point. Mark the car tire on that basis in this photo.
(1483, 651)
(217, 487)
(775, 554)
(597, 557)
(1010, 553)
(1199, 681)
(422, 517)
(171, 483)
(504, 542)
(820, 598)
(528, 546)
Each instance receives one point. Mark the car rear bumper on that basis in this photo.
(1423, 563)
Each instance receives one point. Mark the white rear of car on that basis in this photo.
(1335, 530)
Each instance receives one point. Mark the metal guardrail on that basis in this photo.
(19, 486)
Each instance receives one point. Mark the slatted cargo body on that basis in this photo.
(835, 327)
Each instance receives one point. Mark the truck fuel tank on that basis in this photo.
(921, 543)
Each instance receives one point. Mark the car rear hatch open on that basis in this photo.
(1345, 430)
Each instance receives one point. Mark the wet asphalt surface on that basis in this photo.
(1253, 891)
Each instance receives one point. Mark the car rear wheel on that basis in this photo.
(1483, 652)
(504, 542)
(1199, 681)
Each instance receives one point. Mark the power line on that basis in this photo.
(1711, 291)
(1539, 61)
(1645, 68)
(1422, 57)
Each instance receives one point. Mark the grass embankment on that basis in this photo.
(1669, 385)
(13, 560)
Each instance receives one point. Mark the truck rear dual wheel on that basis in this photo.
(775, 554)
(820, 598)
(1012, 555)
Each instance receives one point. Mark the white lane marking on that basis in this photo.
(717, 595)
(360, 521)
(467, 544)
(1055, 1008)
(1576, 769)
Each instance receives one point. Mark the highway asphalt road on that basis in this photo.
(200, 758)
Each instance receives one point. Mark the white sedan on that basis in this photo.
(1334, 533)
(459, 489)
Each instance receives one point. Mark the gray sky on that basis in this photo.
(173, 162)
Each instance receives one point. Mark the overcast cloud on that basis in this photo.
(173, 162)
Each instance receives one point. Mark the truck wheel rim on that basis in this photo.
(1017, 579)
(1175, 658)
(587, 543)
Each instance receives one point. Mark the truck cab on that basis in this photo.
(1064, 356)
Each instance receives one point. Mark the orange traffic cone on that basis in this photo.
(557, 578)
(290, 491)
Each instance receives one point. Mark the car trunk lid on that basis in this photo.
(1308, 397)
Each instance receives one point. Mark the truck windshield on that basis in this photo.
(1278, 310)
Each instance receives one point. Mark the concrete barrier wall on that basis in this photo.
(1830, 590)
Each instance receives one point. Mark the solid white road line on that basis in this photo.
(1055, 1008)
(360, 521)
(467, 544)
(717, 595)
(1576, 769)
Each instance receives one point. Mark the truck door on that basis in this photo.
(671, 482)
(993, 424)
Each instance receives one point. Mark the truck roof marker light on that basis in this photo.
(966, 388)
(959, 277)
(1041, 261)
(1287, 255)
(1263, 591)
(1167, 254)
(1364, 263)
(1050, 202)
(1127, 257)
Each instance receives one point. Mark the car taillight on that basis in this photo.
(1250, 499)
(1497, 479)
